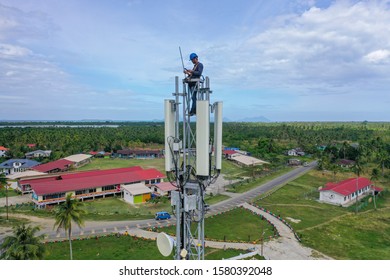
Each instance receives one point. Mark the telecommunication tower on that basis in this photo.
(193, 161)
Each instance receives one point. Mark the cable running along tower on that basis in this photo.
(192, 162)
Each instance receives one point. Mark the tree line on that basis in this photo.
(263, 140)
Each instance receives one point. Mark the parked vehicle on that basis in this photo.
(162, 216)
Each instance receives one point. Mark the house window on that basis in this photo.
(147, 182)
(353, 194)
(108, 188)
(345, 198)
(80, 192)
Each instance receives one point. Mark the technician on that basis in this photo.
(195, 73)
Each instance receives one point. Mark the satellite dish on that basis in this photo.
(165, 244)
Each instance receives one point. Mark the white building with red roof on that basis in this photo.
(163, 188)
(346, 192)
(88, 184)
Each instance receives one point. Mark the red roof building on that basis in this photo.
(346, 192)
(88, 184)
(163, 188)
(60, 165)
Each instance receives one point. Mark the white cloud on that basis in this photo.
(320, 46)
(12, 51)
(378, 56)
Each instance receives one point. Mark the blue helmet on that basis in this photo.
(193, 55)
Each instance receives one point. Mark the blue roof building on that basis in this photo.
(12, 166)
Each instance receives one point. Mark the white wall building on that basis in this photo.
(136, 193)
(346, 192)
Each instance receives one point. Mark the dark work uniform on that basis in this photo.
(198, 69)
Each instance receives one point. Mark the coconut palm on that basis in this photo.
(69, 211)
(3, 183)
(374, 177)
(23, 244)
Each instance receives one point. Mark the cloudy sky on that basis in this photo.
(295, 60)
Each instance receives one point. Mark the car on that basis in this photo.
(162, 216)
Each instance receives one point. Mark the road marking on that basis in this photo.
(115, 229)
(81, 233)
(127, 228)
(58, 235)
(104, 230)
(93, 231)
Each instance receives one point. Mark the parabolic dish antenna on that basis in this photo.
(165, 244)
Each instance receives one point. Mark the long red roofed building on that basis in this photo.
(88, 184)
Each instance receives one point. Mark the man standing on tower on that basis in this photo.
(195, 73)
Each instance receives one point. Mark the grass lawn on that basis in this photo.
(237, 225)
(11, 192)
(332, 230)
(112, 209)
(109, 163)
(115, 209)
(244, 187)
(120, 248)
(228, 167)
(215, 198)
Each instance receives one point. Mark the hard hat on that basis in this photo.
(193, 55)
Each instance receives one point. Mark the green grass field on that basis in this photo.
(237, 225)
(10, 192)
(332, 230)
(109, 163)
(120, 248)
(244, 186)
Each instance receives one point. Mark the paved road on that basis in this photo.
(94, 228)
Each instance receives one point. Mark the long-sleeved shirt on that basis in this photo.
(198, 69)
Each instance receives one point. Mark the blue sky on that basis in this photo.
(301, 60)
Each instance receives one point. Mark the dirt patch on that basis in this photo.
(293, 220)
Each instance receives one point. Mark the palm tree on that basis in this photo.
(3, 183)
(23, 244)
(374, 176)
(66, 213)
(358, 169)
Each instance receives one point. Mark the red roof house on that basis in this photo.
(347, 191)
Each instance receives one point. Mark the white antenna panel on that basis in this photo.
(169, 133)
(202, 137)
(218, 135)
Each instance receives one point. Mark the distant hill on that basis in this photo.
(254, 119)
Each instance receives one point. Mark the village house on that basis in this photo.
(38, 154)
(346, 163)
(294, 162)
(242, 159)
(346, 192)
(139, 153)
(295, 152)
(163, 188)
(79, 159)
(136, 193)
(12, 166)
